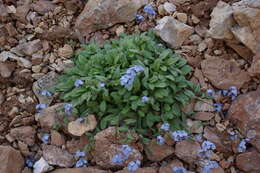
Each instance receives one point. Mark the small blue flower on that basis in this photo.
(145, 99)
(209, 165)
(128, 79)
(80, 119)
(101, 84)
(139, 18)
(133, 165)
(224, 92)
(68, 108)
(165, 127)
(149, 10)
(242, 145)
(210, 92)
(78, 83)
(30, 161)
(179, 135)
(179, 170)
(207, 145)
(198, 138)
(217, 107)
(81, 163)
(45, 138)
(80, 154)
(46, 93)
(40, 107)
(233, 92)
(118, 159)
(204, 153)
(160, 140)
(126, 150)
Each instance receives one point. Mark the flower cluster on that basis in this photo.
(80, 154)
(40, 108)
(45, 138)
(208, 165)
(81, 163)
(123, 155)
(149, 10)
(242, 145)
(133, 165)
(145, 99)
(179, 135)
(165, 127)
(160, 140)
(206, 149)
(139, 18)
(68, 109)
(217, 107)
(46, 93)
(78, 83)
(128, 79)
(30, 161)
(179, 170)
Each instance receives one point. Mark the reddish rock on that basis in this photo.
(203, 116)
(254, 70)
(11, 160)
(155, 152)
(187, 151)
(248, 162)
(140, 170)
(44, 6)
(79, 170)
(57, 156)
(168, 168)
(220, 139)
(21, 12)
(57, 139)
(245, 114)
(25, 134)
(10, 29)
(224, 73)
(6, 69)
(31, 47)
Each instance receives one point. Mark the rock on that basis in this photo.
(221, 21)
(105, 148)
(56, 32)
(203, 116)
(66, 51)
(242, 50)
(194, 126)
(248, 162)
(41, 166)
(25, 134)
(224, 73)
(120, 30)
(187, 151)
(99, 14)
(155, 152)
(172, 31)
(169, 7)
(31, 47)
(8, 55)
(6, 69)
(204, 106)
(202, 46)
(57, 139)
(2, 98)
(44, 6)
(77, 128)
(168, 168)
(245, 114)
(195, 19)
(182, 17)
(220, 139)
(57, 156)
(21, 13)
(254, 70)
(10, 29)
(46, 82)
(27, 170)
(140, 170)
(11, 160)
(80, 170)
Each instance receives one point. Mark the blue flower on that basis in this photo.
(242, 145)
(80, 119)
(139, 18)
(128, 79)
(179, 170)
(46, 93)
(224, 92)
(81, 163)
(209, 165)
(126, 150)
(45, 138)
(30, 161)
(217, 107)
(198, 138)
(210, 92)
(204, 153)
(149, 10)
(133, 165)
(118, 159)
(233, 92)
(145, 99)
(78, 83)
(101, 84)
(80, 154)
(160, 140)
(165, 127)
(207, 145)
(179, 135)
(40, 107)
(68, 108)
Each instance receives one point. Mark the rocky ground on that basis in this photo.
(220, 40)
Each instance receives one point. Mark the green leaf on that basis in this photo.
(103, 106)
(185, 69)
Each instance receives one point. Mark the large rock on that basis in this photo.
(57, 156)
(11, 160)
(105, 148)
(25, 134)
(172, 31)
(245, 114)
(248, 162)
(80, 170)
(155, 152)
(224, 73)
(100, 14)
(254, 69)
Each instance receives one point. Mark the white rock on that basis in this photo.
(41, 166)
(77, 128)
(169, 7)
